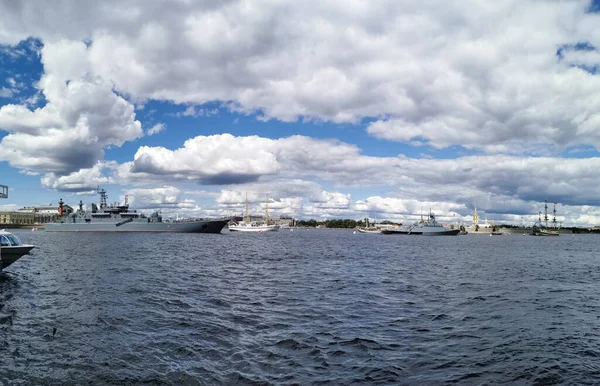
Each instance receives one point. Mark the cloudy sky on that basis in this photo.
(335, 109)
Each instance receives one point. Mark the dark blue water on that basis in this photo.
(303, 307)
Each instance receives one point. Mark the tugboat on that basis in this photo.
(118, 218)
(543, 230)
(11, 249)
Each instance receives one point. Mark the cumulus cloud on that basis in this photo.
(80, 181)
(322, 203)
(331, 200)
(236, 160)
(218, 159)
(5, 92)
(510, 78)
(193, 111)
(162, 197)
(478, 74)
(226, 159)
(82, 116)
(158, 128)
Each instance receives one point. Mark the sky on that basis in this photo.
(325, 109)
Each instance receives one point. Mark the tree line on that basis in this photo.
(340, 223)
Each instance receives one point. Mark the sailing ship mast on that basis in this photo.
(267, 208)
(554, 217)
(247, 218)
(546, 212)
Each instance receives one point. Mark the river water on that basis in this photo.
(309, 307)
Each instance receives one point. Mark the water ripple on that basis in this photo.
(312, 307)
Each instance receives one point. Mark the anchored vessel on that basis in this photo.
(369, 228)
(543, 230)
(253, 226)
(426, 228)
(118, 218)
(11, 249)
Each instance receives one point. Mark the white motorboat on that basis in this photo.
(11, 249)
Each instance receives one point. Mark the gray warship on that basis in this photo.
(118, 218)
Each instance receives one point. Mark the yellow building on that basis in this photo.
(17, 218)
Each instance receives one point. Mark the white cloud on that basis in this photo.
(217, 159)
(82, 117)
(5, 92)
(81, 180)
(331, 200)
(158, 128)
(162, 197)
(275, 166)
(474, 73)
(240, 160)
(479, 74)
(193, 111)
(299, 204)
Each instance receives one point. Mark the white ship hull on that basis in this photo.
(253, 228)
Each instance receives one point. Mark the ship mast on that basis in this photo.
(267, 207)
(554, 216)
(247, 219)
(546, 212)
(103, 197)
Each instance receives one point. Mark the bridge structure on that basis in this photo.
(3, 191)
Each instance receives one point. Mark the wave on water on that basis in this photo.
(307, 307)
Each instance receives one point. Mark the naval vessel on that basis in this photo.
(118, 218)
(425, 228)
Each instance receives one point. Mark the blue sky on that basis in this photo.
(334, 110)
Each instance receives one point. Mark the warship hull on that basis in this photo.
(434, 232)
(199, 226)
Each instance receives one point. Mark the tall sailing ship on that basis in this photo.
(254, 226)
(540, 229)
(118, 218)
